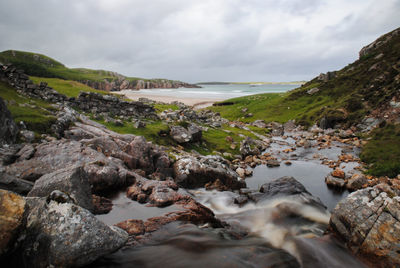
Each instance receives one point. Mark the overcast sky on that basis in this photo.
(199, 40)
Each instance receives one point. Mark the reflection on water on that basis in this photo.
(126, 209)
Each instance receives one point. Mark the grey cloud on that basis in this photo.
(231, 40)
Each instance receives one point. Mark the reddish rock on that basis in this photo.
(338, 173)
(101, 205)
(132, 227)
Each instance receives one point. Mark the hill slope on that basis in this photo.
(367, 87)
(42, 66)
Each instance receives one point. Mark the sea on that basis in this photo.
(225, 91)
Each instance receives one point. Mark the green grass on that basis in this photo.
(66, 87)
(35, 113)
(382, 152)
(162, 107)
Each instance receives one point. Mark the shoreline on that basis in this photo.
(197, 103)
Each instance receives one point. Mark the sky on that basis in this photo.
(199, 40)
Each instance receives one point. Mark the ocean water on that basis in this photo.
(220, 91)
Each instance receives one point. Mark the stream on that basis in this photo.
(282, 232)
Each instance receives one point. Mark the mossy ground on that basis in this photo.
(67, 87)
(35, 113)
(382, 152)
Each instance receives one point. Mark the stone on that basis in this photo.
(216, 185)
(132, 227)
(356, 182)
(195, 131)
(338, 173)
(277, 129)
(368, 222)
(180, 134)
(273, 163)
(139, 124)
(259, 124)
(73, 181)
(191, 172)
(248, 146)
(163, 196)
(11, 183)
(241, 172)
(8, 128)
(286, 187)
(313, 90)
(12, 208)
(335, 182)
(27, 136)
(64, 235)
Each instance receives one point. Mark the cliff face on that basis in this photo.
(123, 83)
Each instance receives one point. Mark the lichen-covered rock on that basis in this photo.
(180, 134)
(368, 221)
(193, 172)
(64, 235)
(12, 208)
(8, 128)
(73, 181)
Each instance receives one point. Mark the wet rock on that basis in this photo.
(368, 221)
(287, 187)
(338, 173)
(101, 205)
(163, 196)
(73, 181)
(8, 128)
(335, 182)
(241, 200)
(12, 208)
(273, 163)
(192, 172)
(11, 183)
(132, 227)
(216, 185)
(180, 134)
(356, 182)
(64, 235)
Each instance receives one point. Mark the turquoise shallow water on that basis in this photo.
(220, 91)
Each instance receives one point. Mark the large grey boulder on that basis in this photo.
(180, 134)
(368, 221)
(8, 128)
(73, 181)
(63, 235)
(193, 172)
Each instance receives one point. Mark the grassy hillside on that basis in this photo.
(356, 90)
(39, 65)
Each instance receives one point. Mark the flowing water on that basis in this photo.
(282, 232)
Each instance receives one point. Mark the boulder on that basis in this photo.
(12, 208)
(286, 187)
(180, 134)
(196, 132)
(368, 222)
(194, 172)
(356, 182)
(248, 146)
(8, 128)
(72, 181)
(335, 182)
(11, 183)
(64, 235)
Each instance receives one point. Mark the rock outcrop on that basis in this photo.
(63, 235)
(8, 128)
(193, 172)
(368, 222)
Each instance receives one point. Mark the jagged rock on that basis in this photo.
(191, 172)
(12, 208)
(356, 182)
(64, 235)
(195, 131)
(26, 152)
(8, 154)
(27, 136)
(73, 181)
(65, 118)
(180, 134)
(335, 182)
(8, 128)
(10, 183)
(368, 221)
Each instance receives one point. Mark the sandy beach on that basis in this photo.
(196, 102)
